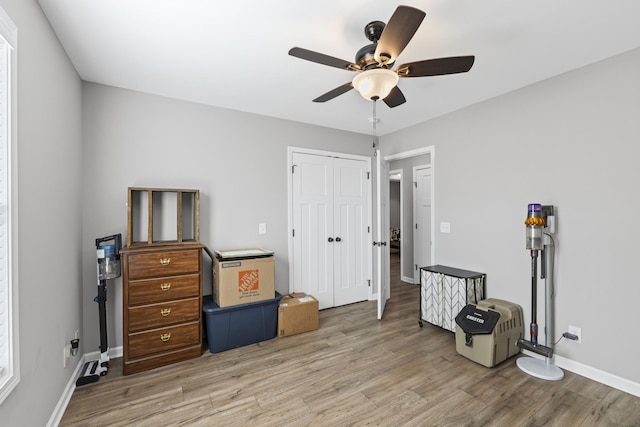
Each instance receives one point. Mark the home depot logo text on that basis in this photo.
(248, 280)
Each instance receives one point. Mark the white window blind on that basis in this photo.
(9, 374)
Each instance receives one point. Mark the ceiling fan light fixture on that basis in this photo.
(376, 83)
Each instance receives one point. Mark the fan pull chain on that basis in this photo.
(374, 120)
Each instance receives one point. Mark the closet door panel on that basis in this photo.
(312, 189)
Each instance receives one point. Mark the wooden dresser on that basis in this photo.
(162, 305)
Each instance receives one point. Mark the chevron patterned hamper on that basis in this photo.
(444, 291)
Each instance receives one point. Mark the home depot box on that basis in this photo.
(297, 313)
(488, 331)
(242, 276)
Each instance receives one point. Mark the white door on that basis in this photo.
(382, 234)
(351, 251)
(422, 219)
(312, 220)
(330, 219)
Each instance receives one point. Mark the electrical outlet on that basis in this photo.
(577, 332)
(262, 228)
(445, 227)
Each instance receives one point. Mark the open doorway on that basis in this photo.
(403, 165)
(396, 224)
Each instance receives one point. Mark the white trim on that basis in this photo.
(8, 29)
(65, 398)
(11, 373)
(410, 153)
(408, 280)
(594, 374)
(290, 151)
(414, 171)
(402, 225)
(63, 402)
(431, 150)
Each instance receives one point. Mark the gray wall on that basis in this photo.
(49, 187)
(572, 142)
(238, 161)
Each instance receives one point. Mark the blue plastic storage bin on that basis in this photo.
(239, 325)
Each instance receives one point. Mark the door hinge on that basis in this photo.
(293, 168)
(368, 229)
(416, 266)
(416, 226)
(293, 233)
(415, 184)
(369, 282)
(368, 175)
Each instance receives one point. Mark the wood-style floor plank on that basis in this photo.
(353, 371)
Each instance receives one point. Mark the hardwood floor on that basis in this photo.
(354, 370)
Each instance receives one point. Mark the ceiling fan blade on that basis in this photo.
(436, 67)
(334, 93)
(395, 98)
(401, 27)
(323, 59)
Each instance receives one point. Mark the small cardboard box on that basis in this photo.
(297, 313)
(242, 276)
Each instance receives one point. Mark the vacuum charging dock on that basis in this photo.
(540, 222)
(108, 268)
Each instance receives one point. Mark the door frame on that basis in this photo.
(415, 230)
(431, 150)
(401, 181)
(290, 165)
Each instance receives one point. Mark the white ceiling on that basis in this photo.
(233, 54)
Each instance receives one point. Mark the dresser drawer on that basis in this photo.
(148, 291)
(163, 263)
(164, 339)
(163, 314)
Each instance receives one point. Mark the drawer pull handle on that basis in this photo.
(165, 286)
(165, 261)
(165, 312)
(165, 337)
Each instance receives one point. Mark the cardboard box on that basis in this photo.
(297, 313)
(242, 276)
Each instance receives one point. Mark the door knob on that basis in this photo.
(330, 239)
(338, 239)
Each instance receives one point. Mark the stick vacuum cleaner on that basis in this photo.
(540, 223)
(108, 268)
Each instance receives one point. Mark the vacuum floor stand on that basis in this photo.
(93, 370)
(108, 268)
(541, 368)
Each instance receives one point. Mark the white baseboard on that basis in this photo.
(58, 411)
(407, 279)
(598, 375)
(594, 374)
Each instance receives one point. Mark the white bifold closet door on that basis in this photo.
(331, 230)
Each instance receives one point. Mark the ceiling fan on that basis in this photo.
(375, 79)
